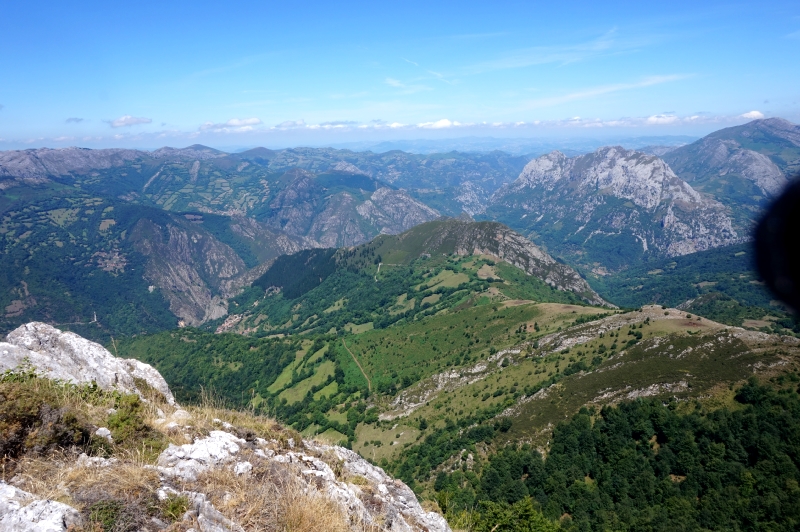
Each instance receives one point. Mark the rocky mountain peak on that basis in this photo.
(644, 179)
(614, 195)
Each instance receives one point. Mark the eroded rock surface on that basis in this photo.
(21, 511)
(619, 196)
(376, 499)
(68, 357)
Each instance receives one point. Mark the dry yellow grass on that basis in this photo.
(59, 478)
(271, 499)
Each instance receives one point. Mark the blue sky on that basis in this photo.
(147, 74)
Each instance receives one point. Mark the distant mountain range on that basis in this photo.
(176, 233)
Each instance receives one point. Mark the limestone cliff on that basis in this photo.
(612, 201)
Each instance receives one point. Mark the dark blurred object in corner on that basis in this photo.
(778, 246)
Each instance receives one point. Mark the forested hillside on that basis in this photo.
(721, 284)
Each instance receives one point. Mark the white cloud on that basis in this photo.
(662, 119)
(394, 82)
(753, 115)
(239, 122)
(439, 124)
(234, 124)
(74, 120)
(128, 120)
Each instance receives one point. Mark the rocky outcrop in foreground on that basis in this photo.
(266, 477)
(67, 357)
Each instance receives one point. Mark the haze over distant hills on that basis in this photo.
(517, 146)
(197, 225)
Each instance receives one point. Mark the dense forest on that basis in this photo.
(646, 465)
(67, 261)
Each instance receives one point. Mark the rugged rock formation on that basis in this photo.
(196, 271)
(350, 216)
(388, 504)
(21, 511)
(67, 357)
(761, 153)
(364, 494)
(632, 199)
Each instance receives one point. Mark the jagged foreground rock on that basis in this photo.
(368, 497)
(21, 511)
(65, 356)
(376, 500)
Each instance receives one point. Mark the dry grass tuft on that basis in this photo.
(269, 498)
(60, 478)
(272, 499)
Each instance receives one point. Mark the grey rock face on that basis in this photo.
(22, 512)
(394, 211)
(394, 506)
(345, 218)
(68, 357)
(611, 192)
(196, 271)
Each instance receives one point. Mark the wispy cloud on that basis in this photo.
(128, 120)
(406, 88)
(601, 90)
(606, 44)
(74, 120)
(234, 124)
(794, 35)
(290, 124)
(437, 75)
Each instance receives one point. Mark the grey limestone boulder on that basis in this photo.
(22, 512)
(68, 357)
